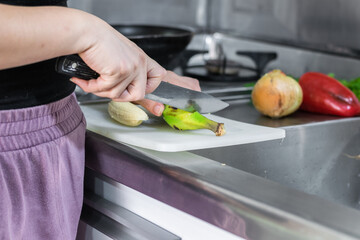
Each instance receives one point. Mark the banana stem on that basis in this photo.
(217, 128)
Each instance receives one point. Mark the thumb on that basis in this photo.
(152, 106)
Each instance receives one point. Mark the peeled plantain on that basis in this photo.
(183, 120)
(127, 113)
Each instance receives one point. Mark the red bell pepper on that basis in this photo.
(326, 95)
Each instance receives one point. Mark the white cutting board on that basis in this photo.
(155, 134)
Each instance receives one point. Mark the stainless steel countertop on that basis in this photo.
(244, 202)
(306, 186)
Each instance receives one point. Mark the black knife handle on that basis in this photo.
(74, 66)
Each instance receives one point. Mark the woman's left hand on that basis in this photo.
(157, 108)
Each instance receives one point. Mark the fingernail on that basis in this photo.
(158, 109)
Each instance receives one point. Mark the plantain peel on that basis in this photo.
(183, 120)
(127, 113)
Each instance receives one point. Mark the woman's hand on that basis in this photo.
(170, 77)
(126, 72)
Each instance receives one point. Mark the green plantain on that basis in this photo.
(183, 120)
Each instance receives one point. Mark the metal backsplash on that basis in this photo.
(323, 24)
(161, 12)
(331, 24)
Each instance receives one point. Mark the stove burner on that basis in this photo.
(225, 69)
(222, 66)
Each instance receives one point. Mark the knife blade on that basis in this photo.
(186, 99)
(165, 93)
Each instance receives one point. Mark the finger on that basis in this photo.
(117, 91)
(136, 89)
(186, 82)
(81, 83)
(155, 73)
(93, 85)
(152, 106)
(133, 91)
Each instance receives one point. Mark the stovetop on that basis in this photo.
(224, 69)
(252, 59)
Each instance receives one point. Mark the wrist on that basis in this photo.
(83, 29)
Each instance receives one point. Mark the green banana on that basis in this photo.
(183, 120)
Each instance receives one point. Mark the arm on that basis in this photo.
(31, 34)
(34, 34)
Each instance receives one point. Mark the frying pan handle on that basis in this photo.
(74, 66)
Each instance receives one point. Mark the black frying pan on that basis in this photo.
(162, 43)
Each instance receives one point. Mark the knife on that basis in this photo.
(166, 93)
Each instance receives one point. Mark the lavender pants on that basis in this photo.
(41, 171)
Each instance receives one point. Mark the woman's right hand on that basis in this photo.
(126, 72)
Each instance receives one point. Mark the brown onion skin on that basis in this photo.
(276, 95)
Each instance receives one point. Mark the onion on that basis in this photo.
(276, 94)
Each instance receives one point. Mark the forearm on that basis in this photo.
(32, 34)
